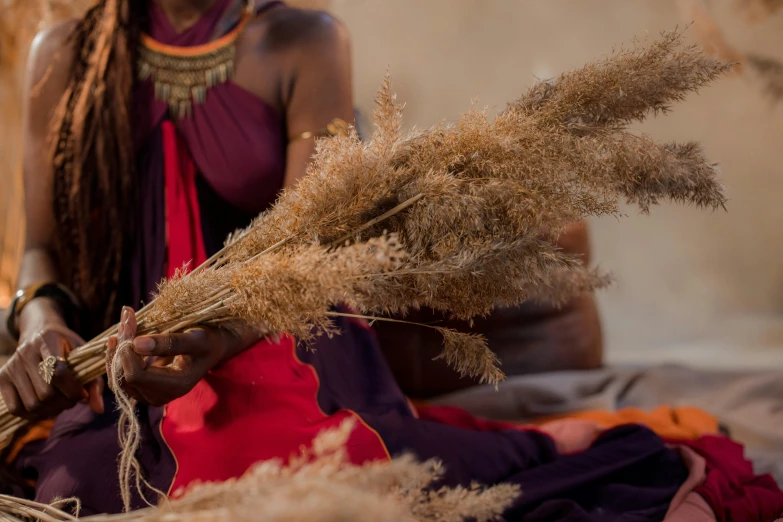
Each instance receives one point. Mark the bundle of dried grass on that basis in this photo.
(319, 485)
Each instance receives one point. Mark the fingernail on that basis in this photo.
(144, 345)
(124, 315)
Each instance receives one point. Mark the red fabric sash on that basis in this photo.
(183, 217)
(261, 404)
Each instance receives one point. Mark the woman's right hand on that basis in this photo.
(26, 394)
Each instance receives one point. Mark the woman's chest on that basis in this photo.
(235, 140)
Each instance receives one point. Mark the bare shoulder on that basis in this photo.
(52, 53)
(292, 29)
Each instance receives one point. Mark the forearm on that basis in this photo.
(37, 267)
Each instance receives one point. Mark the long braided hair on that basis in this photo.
(93, 158)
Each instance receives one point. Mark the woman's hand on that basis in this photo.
(160, 368)
(23, 387)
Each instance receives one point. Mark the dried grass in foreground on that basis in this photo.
(320, 485)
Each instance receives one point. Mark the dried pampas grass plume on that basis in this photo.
(459, 218)
(769, 71)
(319, 485)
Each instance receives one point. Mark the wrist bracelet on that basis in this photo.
(60, 294)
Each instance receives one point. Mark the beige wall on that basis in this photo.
(692, 286)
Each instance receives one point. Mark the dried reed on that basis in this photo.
(769, 71)
(319, 485)
(460, 218)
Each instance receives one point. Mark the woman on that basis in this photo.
(136, 185)
(98, 221)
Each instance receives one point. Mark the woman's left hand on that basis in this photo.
(160, 368)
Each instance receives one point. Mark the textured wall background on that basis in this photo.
(691, 286)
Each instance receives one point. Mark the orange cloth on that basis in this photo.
(38, 431)
(683, 422)
(668, 422)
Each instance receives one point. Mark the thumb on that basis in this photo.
(95, 393)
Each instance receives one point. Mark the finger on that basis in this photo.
(128, 324)
(95, 394)
(159, 385)
(111, 350)
(132, 372)
(31, 360)
(67, 384)
(121, 326)
(24, 387)
(63, 381)
(11, 397)
(193, 342)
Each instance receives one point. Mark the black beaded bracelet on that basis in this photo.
(60, 294)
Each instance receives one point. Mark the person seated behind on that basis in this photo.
(531, 338)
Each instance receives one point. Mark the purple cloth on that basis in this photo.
(79, 459)
(628, 475)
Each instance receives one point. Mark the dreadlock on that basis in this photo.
(92, 155)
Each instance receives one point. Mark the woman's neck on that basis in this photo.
(183, 14)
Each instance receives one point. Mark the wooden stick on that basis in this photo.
(399, 208)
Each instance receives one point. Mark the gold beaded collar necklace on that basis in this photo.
(183, 75)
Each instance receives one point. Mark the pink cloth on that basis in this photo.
(572, 435)
(687, 504)
(693, 509)
(569, 435)
(731, 488)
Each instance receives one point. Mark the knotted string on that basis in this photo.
(128, 426)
